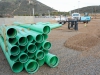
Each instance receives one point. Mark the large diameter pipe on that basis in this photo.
(15, 66)
(23, 57)
(13, 49)
(22, 40)
(31, 48)
(13, 41)
(46, 45)
(14, 58)
(31, 66)
(39, 28)
(39, 54)
(51, 60)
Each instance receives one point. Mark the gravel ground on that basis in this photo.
(72, 62)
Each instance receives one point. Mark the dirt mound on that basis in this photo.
(82, 41)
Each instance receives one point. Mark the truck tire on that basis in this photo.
(68, 25)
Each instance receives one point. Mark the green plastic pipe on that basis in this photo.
(39, 28)
(45, 36)
(13, 49)
(39, 54)
(22, 40)
(15, 66)
(23, 48)
(31, 55)
(31, 48)
(14, 58)
(38, 37)
(40, 62)
(53, 26)
(11, 32)
(13, 41)
(31, 66)
(46, 45)
(30, 38)
(23, 57)
(51, 60)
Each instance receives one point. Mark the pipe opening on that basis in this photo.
(32, 48)
(23, 41)
(12, 40)
(11, 32)
(47, 45)
(30, 38)
(39, 38)
(54, 61)
(23, 58)
(40, 55)
(31, 66)
(17, 67)
(15, 50)
(14, 58)
(46, 29)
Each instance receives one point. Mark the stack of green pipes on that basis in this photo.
(26, 46)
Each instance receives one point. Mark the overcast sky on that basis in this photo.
(67, 5)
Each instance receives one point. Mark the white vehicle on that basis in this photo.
(61, 19)
(76, 16)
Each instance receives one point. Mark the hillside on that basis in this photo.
(89, 9)
(23, 7)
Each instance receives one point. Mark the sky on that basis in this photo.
(68, 5)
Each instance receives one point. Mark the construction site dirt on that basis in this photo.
(78, 51)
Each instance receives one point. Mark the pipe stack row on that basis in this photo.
(26, 46)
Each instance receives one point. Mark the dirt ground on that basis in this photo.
(81, 60)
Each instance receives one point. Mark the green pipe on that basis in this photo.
(45, 36)
(51, 60)
(31, 66)
(22, 41)
(46, 45)
(40, 62)
(38, 45)
(30, 38)
(15, 66)
(53, 26)
(31, 48)
(39, 54)
(13, 41)
(22, 48)
(11, 32)
(14, 58)
(13, 49)
(39, 28)
(31, 55)
(23, 57)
